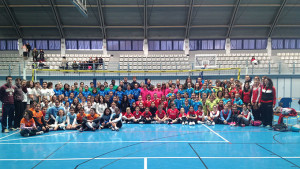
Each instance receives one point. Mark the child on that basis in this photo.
(182, 117)
(192, 116)
(246, 93)
(225, 115)
(60, 121)
(141, 106)
(91, 121)
(27, 125)
(226, 98)
(80, 116)
(172, 114)
(146, 116)
(39, 119)
(186, 105)
(220, 105)
(116, 120)
(160, 115)
(235, 113)
(137, 115)
(147, 103)
(214, 116)
(238, 101)
(104, 120)
(88, 107)
(128, 116)
(153, 109)
(164, 102)
(201, 118)
(71, 119)
(244, 118)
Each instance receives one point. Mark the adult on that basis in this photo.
(25, 50)
(35, 55)
(28, 48)
(42, 55)
(18, 101)
(126, 83)
(267, 102)
(7, 92)
(134, 82)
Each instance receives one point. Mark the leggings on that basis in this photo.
(30, 132)
(267, 113)
(242, 120)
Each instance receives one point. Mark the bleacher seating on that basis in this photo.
(54, 60)
(243, 59)
(9, 59)
(155, 62)
(290, 58)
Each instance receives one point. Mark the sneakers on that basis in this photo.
(93, 129)
(170, 123)
(81, 129)
(182, 123)
(186, 122)
(117, 128)
(268, 126)
(213, 123)
(5, 131)
(26, 135)
(112, 129)
(141, 122)
(39, 133)
(12, 129)
(243, 125)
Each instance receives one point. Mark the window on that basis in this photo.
(84, 44)
(248, 44)
(207, 44)
(43, 44)
(165, 45)
(8, 44)
(285, 43)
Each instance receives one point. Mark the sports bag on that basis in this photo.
(280, 127)
(256, 123)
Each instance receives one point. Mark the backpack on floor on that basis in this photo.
(296, 128)
(256, 123)
(280, 127)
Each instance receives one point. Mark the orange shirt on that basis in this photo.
(38, 116)
(31, 109)
(80, 117)
(90, 117)
(28, 123)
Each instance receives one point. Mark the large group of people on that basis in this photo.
(36, 108)
(91, 64)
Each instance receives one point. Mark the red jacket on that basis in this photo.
(7, 94)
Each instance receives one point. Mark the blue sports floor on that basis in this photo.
(154, 146)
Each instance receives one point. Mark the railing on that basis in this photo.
(21, 70)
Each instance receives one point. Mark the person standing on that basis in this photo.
(28, 48)
(35, 55)
(25, 51)
(7, 92)
(267, 102)
(18, 100)
(42, 55)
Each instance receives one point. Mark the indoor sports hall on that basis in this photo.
(149, 84)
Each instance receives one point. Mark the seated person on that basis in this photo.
(28, 127)
(160, 115)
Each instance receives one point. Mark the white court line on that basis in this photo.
(145, 163)
(24, 138)
(10, 135)
(215, 133)
(135, 158)
(103, 142)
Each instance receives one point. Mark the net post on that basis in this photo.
(32, 75)
(41, 81)
(9, 69)
(239, 74)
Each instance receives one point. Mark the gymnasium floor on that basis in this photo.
(154, 146)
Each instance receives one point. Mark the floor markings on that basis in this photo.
(215, 133)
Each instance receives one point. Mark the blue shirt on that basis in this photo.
(197, 104)
(190, 91)
(128, 92)
(60, 120)
(136, 93)
(53, 111)
(71, 101)
(119, 94)
(75, 93)
(86, 93)
(94, 94)
(71, 117)
(197, 92)
(131, 101)
(204, 91)
(107, 91)
(67, 93)
(181, 92)
(225, 101)
(101, 93)
(238, 102)
(228, 117)
(57, 92)
(178, 103)
(186, 108)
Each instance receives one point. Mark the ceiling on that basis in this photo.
(152, 19)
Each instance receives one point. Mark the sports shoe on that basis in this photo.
(6, 131)
(117, 128)
(243, 125)
(81, 129)
(129, 122)
(201, 122)
(182, 123)
(213, 123)
(193, 123)
(26, 135)
(186, 122)
(141, 122)
(112, 129)
(39, 133)
(268, 126)
(93, 129)
(190, 123)
(12, 129)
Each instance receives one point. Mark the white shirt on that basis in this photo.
(100, 108)
(46, 93)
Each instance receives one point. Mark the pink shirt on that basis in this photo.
(159, 93)
(144, 93)
(151, 94)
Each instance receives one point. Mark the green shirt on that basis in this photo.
(210, 104)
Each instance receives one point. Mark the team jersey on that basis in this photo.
(137, 115)
(128, 115)
(80, 117)
(172, 114)
(90, 117)
(147, 115)
(27, 123)
(38, 115)
(147, 103)
(157, 102)
(165, 104)
(182, 115)
(192, 114)
(161, 114)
